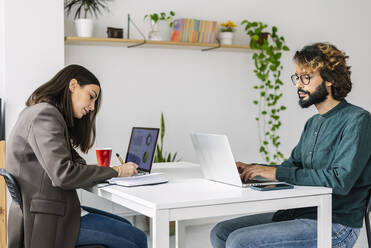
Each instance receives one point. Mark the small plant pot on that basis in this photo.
(226, 38)
(262, 37)
(154, 34)
(84, 27)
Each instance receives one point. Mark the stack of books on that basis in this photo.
(196, 31)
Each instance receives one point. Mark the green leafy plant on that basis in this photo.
(155, 17)
(160, 156)
(94, 7)
(268, 47)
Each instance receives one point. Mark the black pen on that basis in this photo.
(119, 158)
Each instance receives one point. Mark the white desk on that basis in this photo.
(195, 198)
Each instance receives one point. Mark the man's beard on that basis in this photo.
(318, 96)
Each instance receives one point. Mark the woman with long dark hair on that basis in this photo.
(59, 117)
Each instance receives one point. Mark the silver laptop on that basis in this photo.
(217, 163)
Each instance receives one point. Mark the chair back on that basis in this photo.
(12, 187)
(367, 219)
(15, 193)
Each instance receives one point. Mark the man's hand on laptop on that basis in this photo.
(242, 166)
(126, 170)
(249, 171)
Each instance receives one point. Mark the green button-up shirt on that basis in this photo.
(334, 151)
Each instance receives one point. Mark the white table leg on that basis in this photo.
(324, 222)
(180, 234)
(160, 229)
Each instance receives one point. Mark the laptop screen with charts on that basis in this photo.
(142, 147)
(217, 163)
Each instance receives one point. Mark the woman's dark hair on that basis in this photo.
(56, 92)
(332, 66)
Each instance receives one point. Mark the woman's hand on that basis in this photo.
(126, 170)
(249, 171)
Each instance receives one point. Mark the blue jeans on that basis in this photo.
(99, 227)
(260, 231)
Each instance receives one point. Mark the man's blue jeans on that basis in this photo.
(260, 231)
(99, 227)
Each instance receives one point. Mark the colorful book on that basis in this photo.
(193, 30)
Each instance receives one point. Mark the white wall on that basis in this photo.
(212, 91)
(33, 50)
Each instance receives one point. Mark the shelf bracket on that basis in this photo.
(140, 32)
(139, 44)
(212, 48)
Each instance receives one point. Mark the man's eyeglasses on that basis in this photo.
(305, 79)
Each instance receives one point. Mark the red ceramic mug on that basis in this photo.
(103, 156)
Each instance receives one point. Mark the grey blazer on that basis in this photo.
(48, 170)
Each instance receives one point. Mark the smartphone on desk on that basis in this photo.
(273, 187)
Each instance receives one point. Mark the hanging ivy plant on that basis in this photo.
(268, 47)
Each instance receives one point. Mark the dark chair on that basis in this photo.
(16, 196)
(367, 220)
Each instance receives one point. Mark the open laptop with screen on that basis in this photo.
(142, 148)
(217, 163)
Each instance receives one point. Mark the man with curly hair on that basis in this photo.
(334, 151)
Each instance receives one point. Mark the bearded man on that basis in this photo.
(334, 151)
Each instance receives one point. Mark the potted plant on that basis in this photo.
(268, 47)
(226, 32)
(155, 34)
(160, 155)
(83, 24)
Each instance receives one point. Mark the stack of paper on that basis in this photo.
(153, 178)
